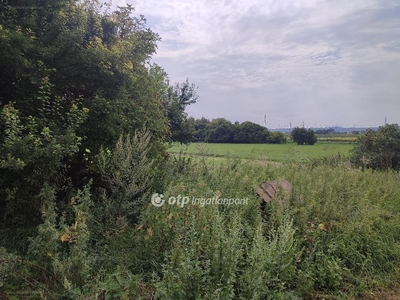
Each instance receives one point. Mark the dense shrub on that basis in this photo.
(378, 149)
(303, 136)
(277, 138)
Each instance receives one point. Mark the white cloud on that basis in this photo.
(324, 61)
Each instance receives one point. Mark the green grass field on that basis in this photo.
(289, 152)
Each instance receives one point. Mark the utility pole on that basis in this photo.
(385, 121)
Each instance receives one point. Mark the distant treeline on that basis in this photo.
(325, 131)
(223, 131)
(332, 131)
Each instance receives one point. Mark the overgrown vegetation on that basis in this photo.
(336, 235)
(85, 123)
(378, 149)
(75, 78)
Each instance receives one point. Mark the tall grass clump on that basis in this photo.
(344, 228)
(336, 235)
(348, 221)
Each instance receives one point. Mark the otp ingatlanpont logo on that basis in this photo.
(157, 200)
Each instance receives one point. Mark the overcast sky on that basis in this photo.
(323, 62)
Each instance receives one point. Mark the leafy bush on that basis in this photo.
(378, 149)
(303, 136)
(277, 138)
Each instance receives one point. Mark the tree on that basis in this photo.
(200, 126)
(303, 136)
(177, 98)
(75, 78)
(220, 131)
(223, 131)
(277, 138)
(248, 132)
(325, 131)
(378, 149)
